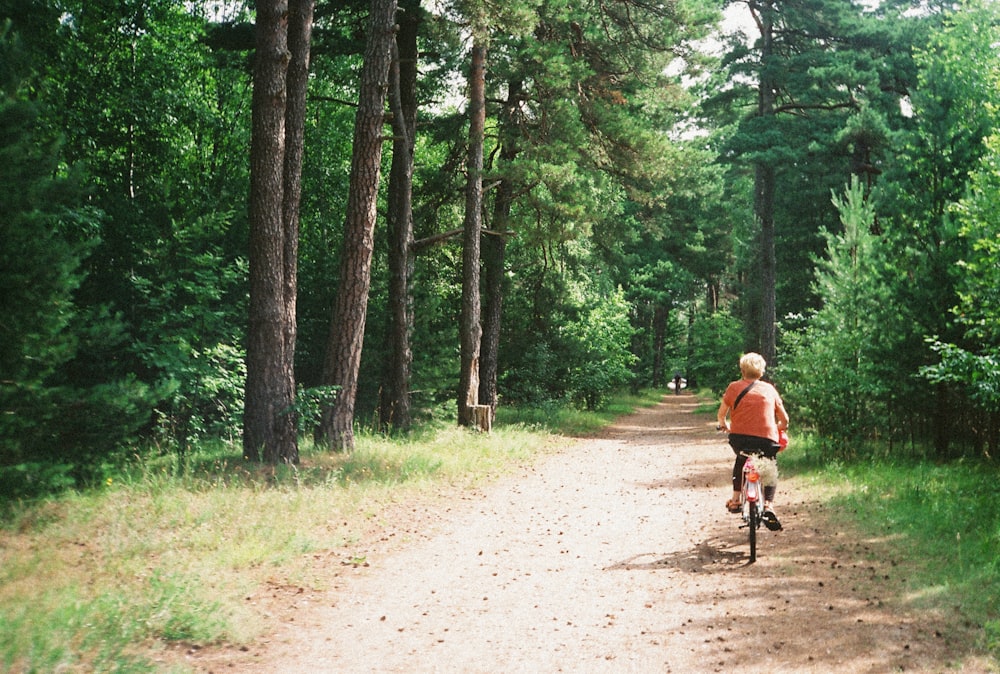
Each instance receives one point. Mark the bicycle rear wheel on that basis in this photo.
(753, 521)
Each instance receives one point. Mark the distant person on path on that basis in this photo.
(756, 423)
(677, 383)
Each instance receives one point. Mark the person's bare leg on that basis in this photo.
(733, 504)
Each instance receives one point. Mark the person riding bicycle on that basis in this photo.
(757, 418)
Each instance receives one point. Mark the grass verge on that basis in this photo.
(168, 550)
(943, 518)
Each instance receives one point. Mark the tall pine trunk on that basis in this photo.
(470, 327)
(764, 186)
(660, 315)
(494, 254)
(300, 18)
(394, 404)
(347, 324)
(267, 425)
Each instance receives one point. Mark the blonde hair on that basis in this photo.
(752, 365)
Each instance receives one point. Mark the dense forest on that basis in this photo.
(263, 222)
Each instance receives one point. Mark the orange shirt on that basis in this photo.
(755, 415)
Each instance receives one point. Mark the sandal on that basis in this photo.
(733, 506)
(771, 520)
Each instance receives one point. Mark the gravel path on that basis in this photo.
(615, 554)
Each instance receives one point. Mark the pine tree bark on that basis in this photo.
(347, 324)
(300, 18)
(494, 255)
(394, 405)
(267, 425)
(764, 186)
(470, 326)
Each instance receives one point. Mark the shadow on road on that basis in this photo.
(710, 556)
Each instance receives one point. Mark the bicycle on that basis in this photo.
(751, 501)
(758, 470)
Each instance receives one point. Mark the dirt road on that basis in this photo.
(614, 555)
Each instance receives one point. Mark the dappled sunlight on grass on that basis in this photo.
(943, 519)
(575, 422)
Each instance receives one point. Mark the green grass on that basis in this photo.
(575, 422)
(942, 518)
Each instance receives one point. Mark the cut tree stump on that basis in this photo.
(482, 416)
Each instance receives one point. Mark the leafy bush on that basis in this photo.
(48, 413)
(189, 327)
(598, 356)
(522, 384)
(582, 360)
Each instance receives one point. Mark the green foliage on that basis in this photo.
(717, 342)
(310, 403)
(523, 382)
(43, 240)
(979, 374)
(188, 330)
(123, 290)
(979, 273)
(955, 102)
(151, 311)
(575, 344)
(835, 71)
(47, 232)
(974, 366)
(597, 350)
(33, 479)
(835, 365)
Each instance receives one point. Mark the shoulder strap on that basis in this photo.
(743, 393)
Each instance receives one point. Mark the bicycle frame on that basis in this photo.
(751, 501)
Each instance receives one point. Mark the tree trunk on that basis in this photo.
(494, 253)
(267, 425)
(470, 326)
(394, 406)
(300, 18)
(347, 324)
(765, 215)
(764, 186)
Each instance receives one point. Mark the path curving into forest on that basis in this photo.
(613, 555)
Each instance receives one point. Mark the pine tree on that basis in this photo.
(837, 369)
(58, 424)
(816, 114)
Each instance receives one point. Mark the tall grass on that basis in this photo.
(170, 547)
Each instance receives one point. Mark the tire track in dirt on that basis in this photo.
(615, 554)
